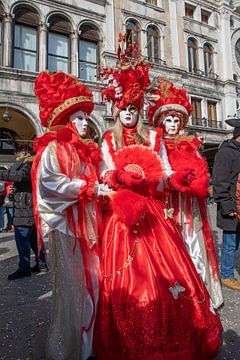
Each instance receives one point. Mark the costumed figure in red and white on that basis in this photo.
(171, 112)
(65, 188)
(152, 303)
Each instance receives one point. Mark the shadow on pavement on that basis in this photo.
(231, 346)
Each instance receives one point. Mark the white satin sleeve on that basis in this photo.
(57, 189)
(55, 193)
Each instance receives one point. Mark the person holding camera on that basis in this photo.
(23, 220)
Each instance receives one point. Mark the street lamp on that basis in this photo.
(6, 116)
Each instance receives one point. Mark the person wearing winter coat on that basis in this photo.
(23, 219)
(226, 170)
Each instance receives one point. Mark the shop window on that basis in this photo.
(7, 141)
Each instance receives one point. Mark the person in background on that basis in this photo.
(226, 170)
(24, 227)
(8, 204)
(2, 196)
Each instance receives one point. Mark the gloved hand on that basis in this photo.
(129, 178)
(102, 190)
(188, 175)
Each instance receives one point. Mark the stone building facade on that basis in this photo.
(193, 43)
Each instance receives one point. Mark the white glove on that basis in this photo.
(103, 190)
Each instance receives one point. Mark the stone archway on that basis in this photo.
(16, 130)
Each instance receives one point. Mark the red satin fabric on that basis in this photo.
(138, 317)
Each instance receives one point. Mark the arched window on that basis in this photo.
(58, 43)
(25, 43)
(153, 44)
(208, 60)
(133, 33)
(1, 31)
(192, 55)
(88, 52)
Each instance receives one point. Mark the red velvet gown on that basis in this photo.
(152, 302)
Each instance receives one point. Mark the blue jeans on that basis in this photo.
(9, 211)
(230, 244)
(1, 218)
(26, 239)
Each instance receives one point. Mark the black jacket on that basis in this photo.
(226, 169)
(20, 174)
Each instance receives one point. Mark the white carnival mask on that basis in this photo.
(79, 119)
(171, 125)
(129, 116)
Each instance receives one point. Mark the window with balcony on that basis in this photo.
(88, 52)
(189, 10)
(208, 60)
(58, 44)
(25, 38)
(197, 111)
(133, 33)
(212, 114)
(1, 31)
(192, 55)
(205, 15)
(152, 2)
(0, 41)
(153, 44)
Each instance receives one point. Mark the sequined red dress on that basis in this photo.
(152, 303)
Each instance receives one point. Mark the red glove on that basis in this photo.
(188, 175)
(181, 180)
(129, 178)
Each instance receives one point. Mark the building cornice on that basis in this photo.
(73, 9)
(211, 5)
(199, 35)
(143, 16)
(154, 7)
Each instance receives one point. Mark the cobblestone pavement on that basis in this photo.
(25, 309)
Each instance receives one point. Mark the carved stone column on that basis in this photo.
(74, 53)
(42, 55)
(7, 42)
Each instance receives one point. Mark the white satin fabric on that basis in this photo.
(72, 305)
(194, 242)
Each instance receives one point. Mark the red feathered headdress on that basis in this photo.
(170, 99)
(61, 94)
(128, 81)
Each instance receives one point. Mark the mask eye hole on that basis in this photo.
(132, 109)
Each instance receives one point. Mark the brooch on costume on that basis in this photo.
(176, 290)
(168, 213)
